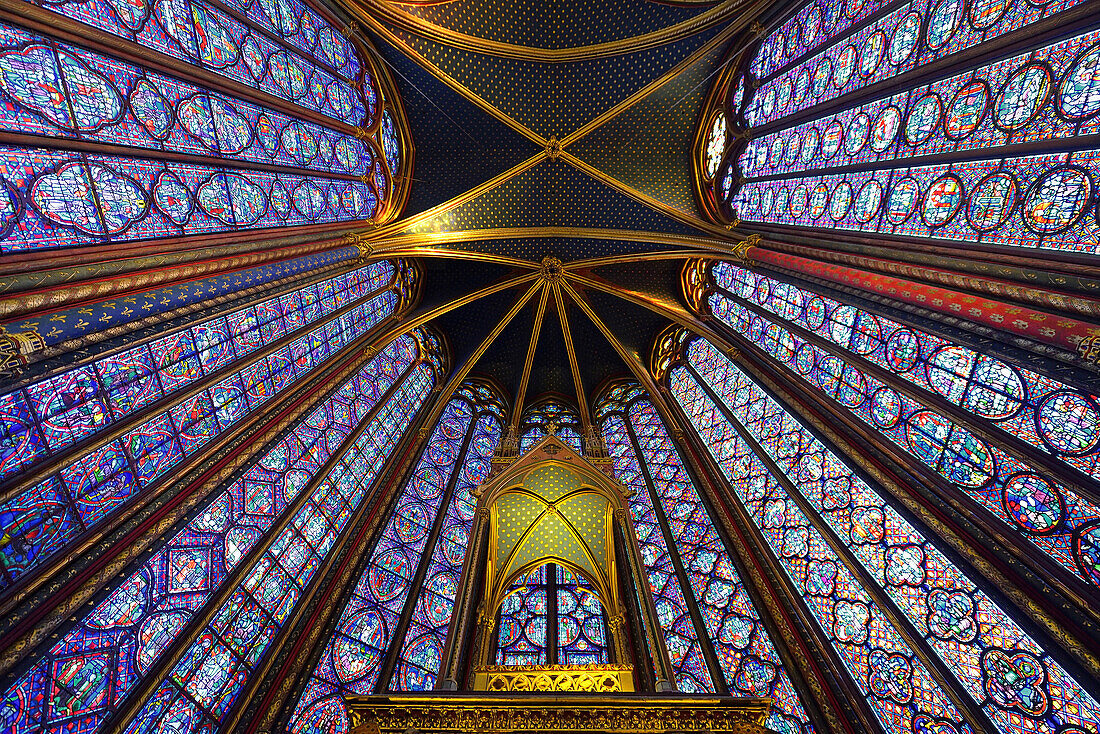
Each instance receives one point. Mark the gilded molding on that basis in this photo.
(398, 714)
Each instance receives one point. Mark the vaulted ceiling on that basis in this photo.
(559, 130)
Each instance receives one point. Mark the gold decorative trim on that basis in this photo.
(501, 49)
(578, 678)
(396, 713)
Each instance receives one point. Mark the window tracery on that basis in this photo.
(538, 418)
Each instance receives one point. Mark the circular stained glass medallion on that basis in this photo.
(794, 147)
(801, 86)
(819, 199)
(885, 129)
(845, 65)
(840, 201)
(871, 54)
(1069, 423)
(1057, 200)
(858, 131)
(1079, 94)
(991, 201)
(942, 200)
(799, 198)
(1022, 96)
(867, 201)
(966, 110)
(831, 139)
(902, 200)
(810, 140)
(923, 119)
(1032, 503)
(905, 39)
(885, 408)
(902, 350)
(820, 81)
(943, 22)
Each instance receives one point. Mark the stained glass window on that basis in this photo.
(308, 162)
(205, 681)
(860, 167)
(1049, 415)
(537, 419)
(425, 538)
(849, 551)
(582, 633)
(523, 621)
(237, 362)
(79, 681)
(685, 557)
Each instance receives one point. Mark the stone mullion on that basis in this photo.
(706, 645)
(971, 713)
(1056, 607)
(69, 30)
(551, 615)
(1059, 25)
(385, 676)
(132, 704)
(985, 429)
(814, 669)
(272, 705)
(230, 454)
(465, 612)
(631, 588)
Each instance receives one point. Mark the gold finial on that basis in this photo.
(552, 428)
(553, 148)
(552, 269)
(757, 29)
(350, 30)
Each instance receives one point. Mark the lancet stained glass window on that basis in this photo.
(275, 168)
(668, 512)
(849, 169)
(523, 621)
(221, 384)
(429, 527)
(202, 686)
(538, 418)
(811, 496)
(1050, 416)
(79, 681)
